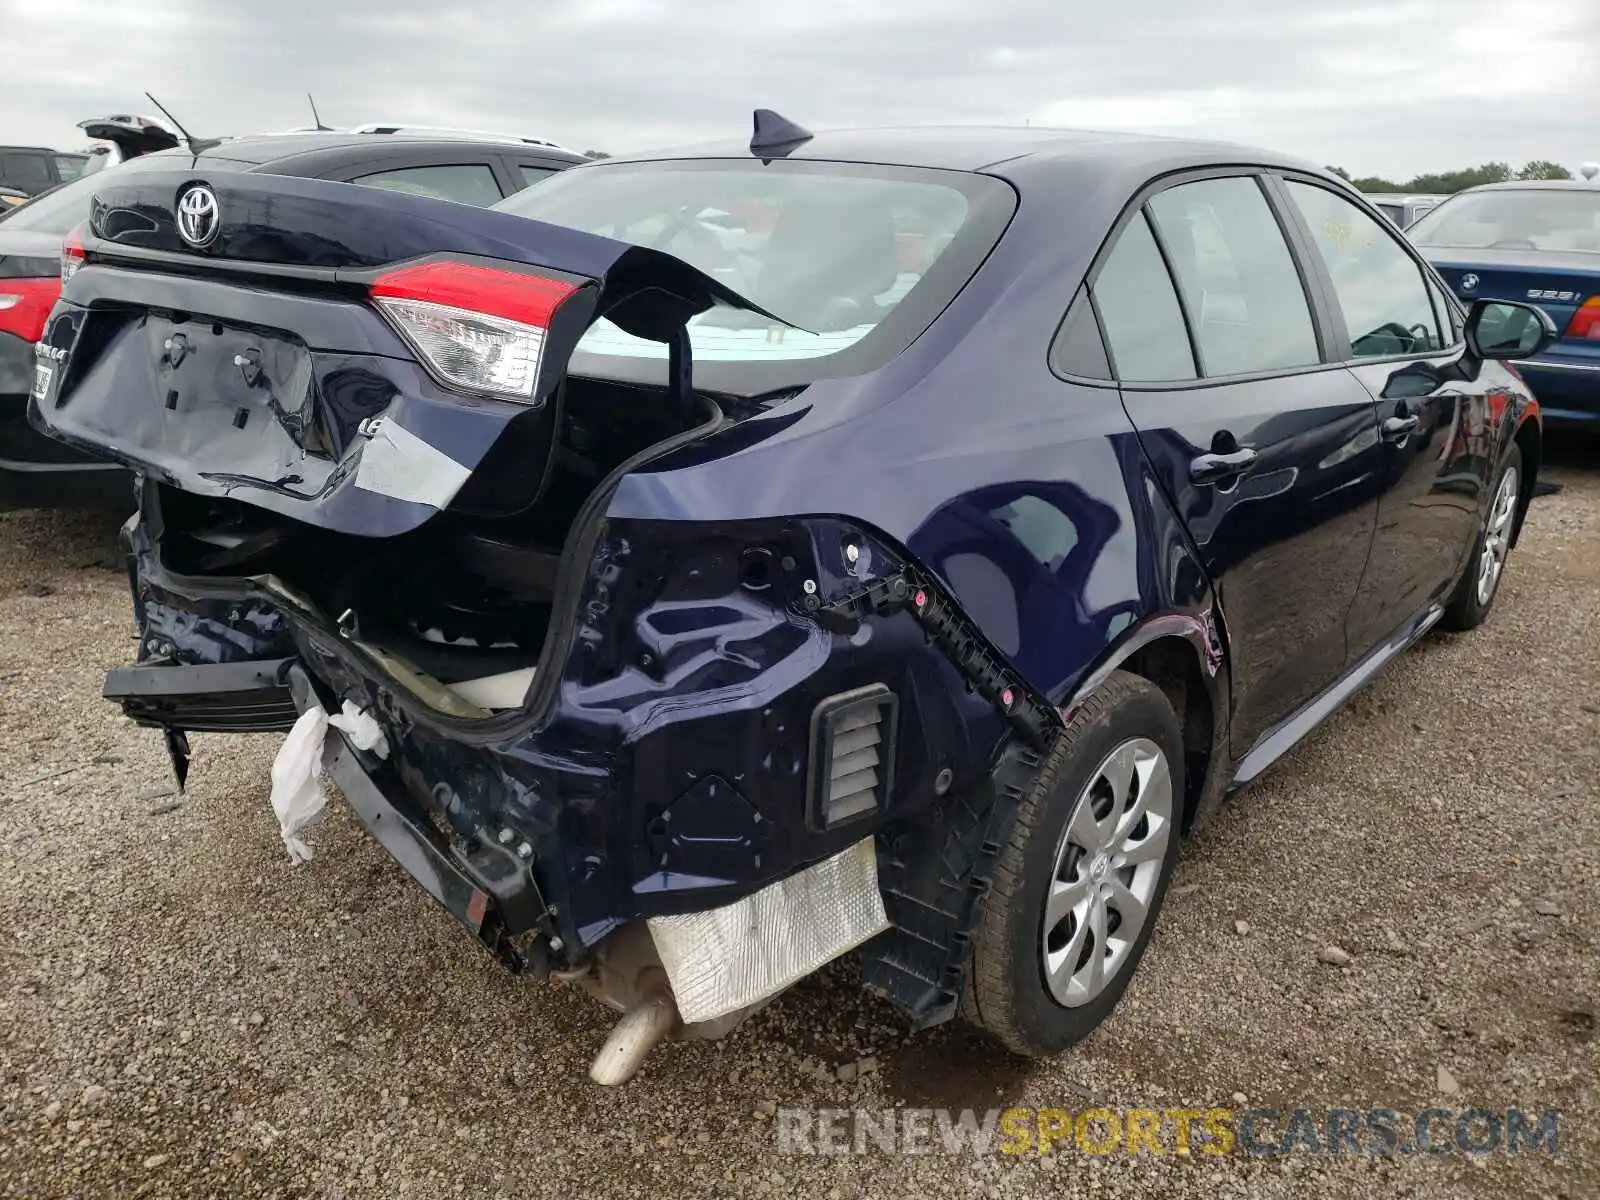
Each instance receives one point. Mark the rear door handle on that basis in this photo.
(1398, 429)
(1219, 468)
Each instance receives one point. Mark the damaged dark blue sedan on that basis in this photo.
(884, 542)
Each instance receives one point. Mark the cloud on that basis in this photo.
(1393, 88)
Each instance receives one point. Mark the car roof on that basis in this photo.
(1536, 185)
(32, 149)
(981, 147)
(260, 148)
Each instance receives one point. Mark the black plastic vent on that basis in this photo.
(852, 755)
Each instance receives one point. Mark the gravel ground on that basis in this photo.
(183, 1013)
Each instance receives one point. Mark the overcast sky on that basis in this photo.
(1390, 88)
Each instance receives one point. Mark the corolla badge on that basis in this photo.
(1469, 282)
(199, 216)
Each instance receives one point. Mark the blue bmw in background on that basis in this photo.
(889, 540)
(1538, 243)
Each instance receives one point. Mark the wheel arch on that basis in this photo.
(1183, 654)
(1529, 439)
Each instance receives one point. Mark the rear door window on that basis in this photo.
(532, 174)
(70, 166)
(1143, 322)
(27, 171)
(1240, 284)
(1380, 287)
(1079, 349)
(465, 183)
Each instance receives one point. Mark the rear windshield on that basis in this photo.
(858, 259)
(1534, 219)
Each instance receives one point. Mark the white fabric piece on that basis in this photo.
(506, 690)
(297, 795)
(729, 958)
(365, 733)
(396, 462)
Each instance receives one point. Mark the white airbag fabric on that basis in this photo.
(297, 795)
(728, 958)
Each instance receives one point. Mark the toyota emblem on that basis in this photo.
(199, 216)
(1469, 282)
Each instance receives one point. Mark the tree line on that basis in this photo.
(1447, 182)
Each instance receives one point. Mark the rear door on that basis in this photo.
(1438, 444)
(1266, 450)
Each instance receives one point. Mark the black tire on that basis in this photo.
(1007, 994)
(1464, 610)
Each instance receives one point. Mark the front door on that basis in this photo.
(1267, 452)
(1434, 424)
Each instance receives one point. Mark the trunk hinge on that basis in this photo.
(680, 371)
(948, 628)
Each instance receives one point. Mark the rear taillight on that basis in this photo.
(478, 327)
(25, 305)
(72, 254)
(1585, 323)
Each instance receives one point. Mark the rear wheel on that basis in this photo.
(1470, 603)
(1079, 884)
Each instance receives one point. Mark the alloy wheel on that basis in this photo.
(1497, 536)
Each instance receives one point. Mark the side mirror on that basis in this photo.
(1501, 329)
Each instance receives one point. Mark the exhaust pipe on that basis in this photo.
(639, 1031)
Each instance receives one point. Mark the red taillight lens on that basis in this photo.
(25, 305)
(72, 254)
(1585, 323)
(477, 327)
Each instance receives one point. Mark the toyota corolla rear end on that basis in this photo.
(636, 752)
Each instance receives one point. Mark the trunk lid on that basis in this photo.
(132, 136)
(259, 365)
(1557, 282)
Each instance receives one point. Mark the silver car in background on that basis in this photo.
(1403, 207)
